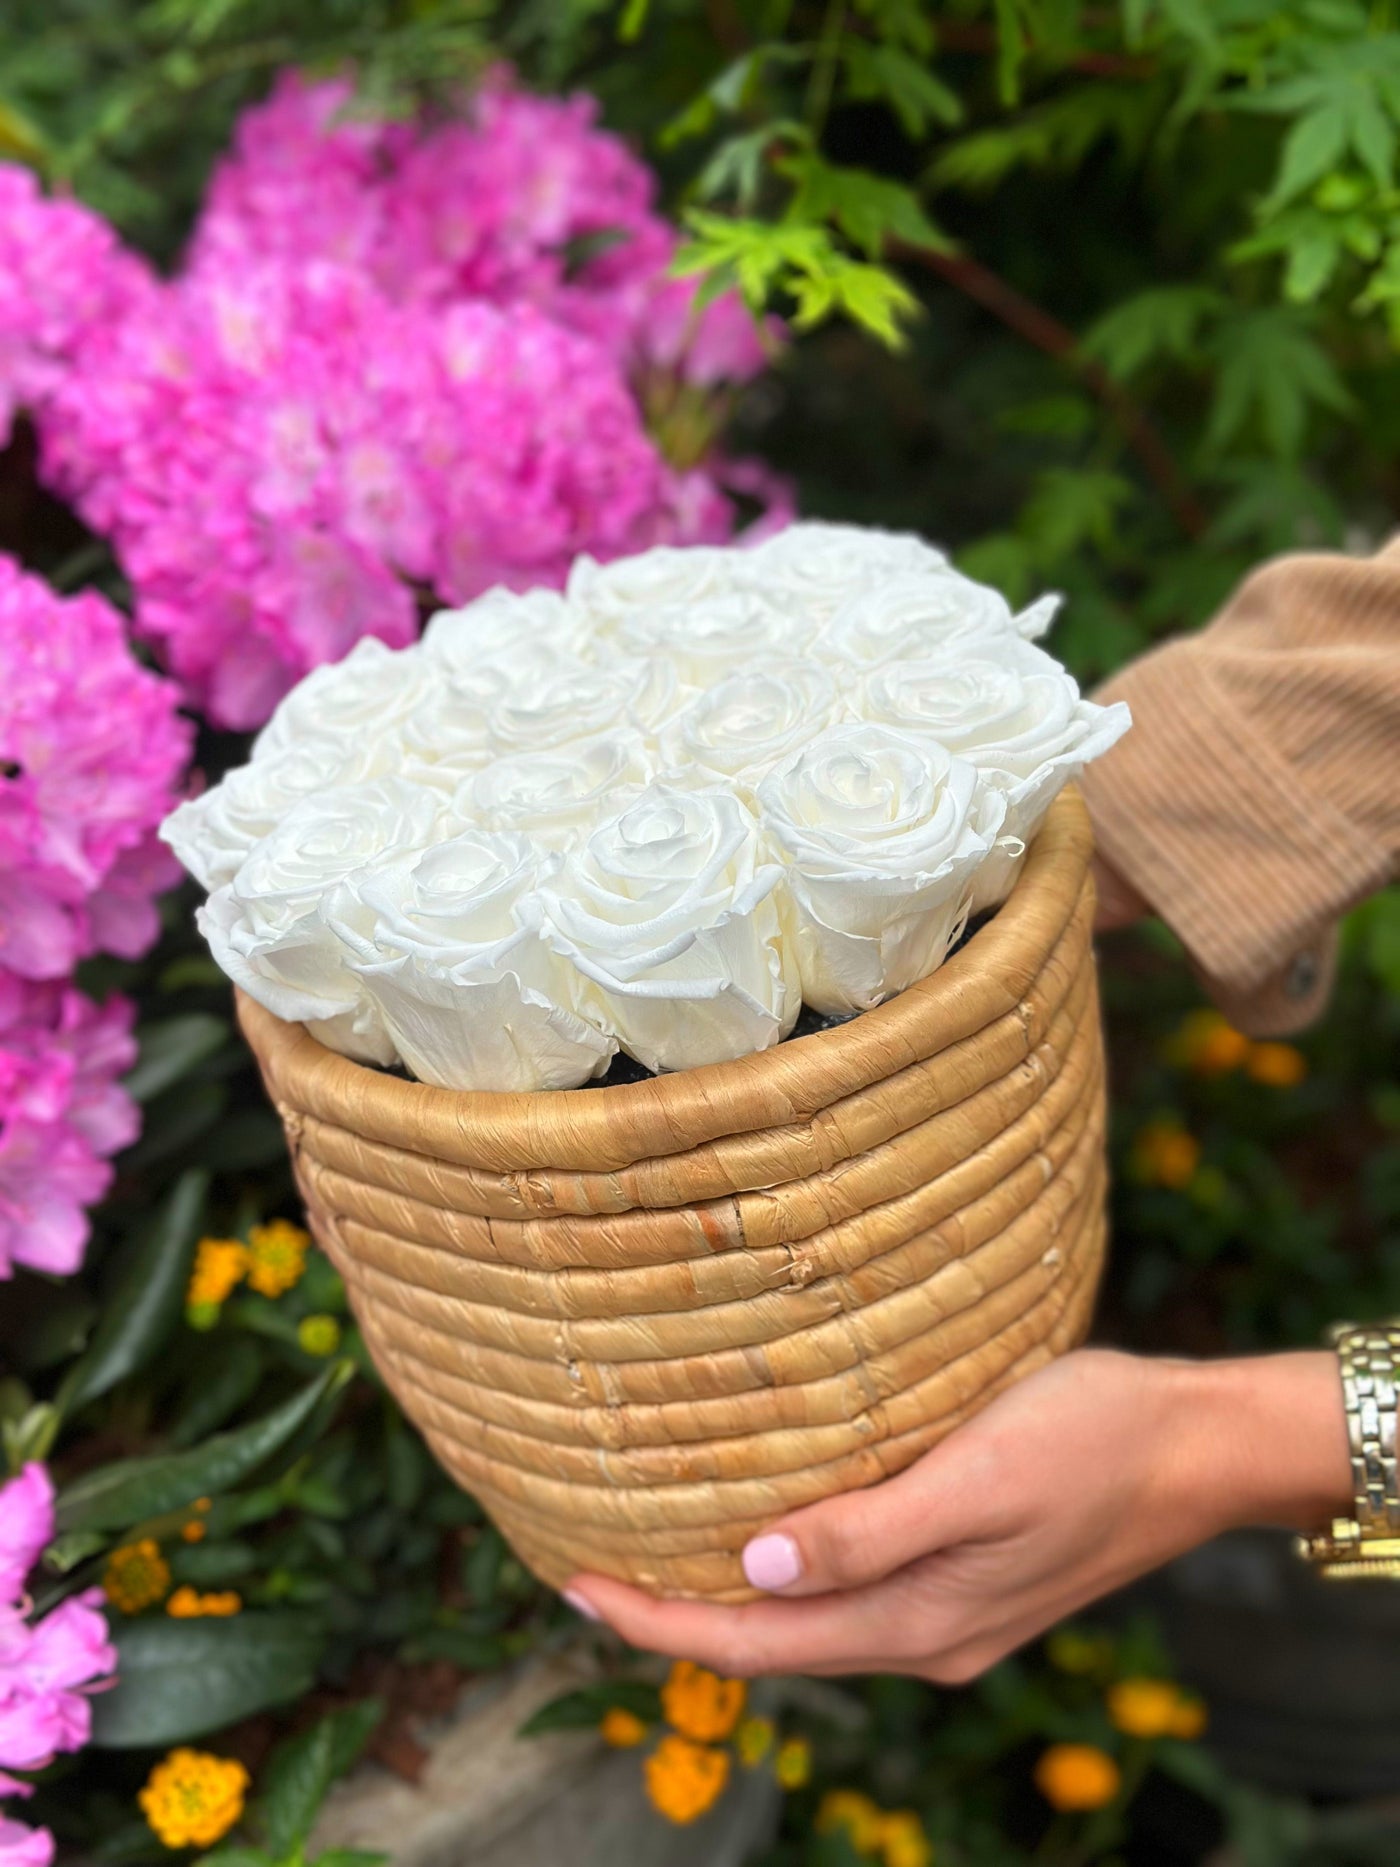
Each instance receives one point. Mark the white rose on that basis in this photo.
(266, 929)
(883, 834)
(671, 913)
(906, 617)
(666, 577)
(815, 568)
(1017, 715)
(445, 946)
(747, 723)
(503, 622)
(555, 796)
(706, 640)
(213, 834)
(349, 701)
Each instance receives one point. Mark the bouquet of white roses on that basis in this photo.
(657, 812)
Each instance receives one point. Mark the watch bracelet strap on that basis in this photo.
(1368, 1357)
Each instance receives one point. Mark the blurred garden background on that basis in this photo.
(313, 319)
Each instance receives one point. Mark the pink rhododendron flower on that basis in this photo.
(47, 1665)
(63, 274)
(91, 752)
(63, 1112)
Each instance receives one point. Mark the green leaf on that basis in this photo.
(299, 1772)
(1311, 147)
(1163, 321)
(178, 1679)
(227, 1376)
(633, 21)
(1272, 372)
(237, 1857)
(585, 1709)
(139, 1314)
(116, 1496)
(868, 208)
(172, 1048)
(349, 1857)
(886, 74)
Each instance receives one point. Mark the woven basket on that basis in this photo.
(638, 1323)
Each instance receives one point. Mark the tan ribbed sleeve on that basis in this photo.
(1257, 797)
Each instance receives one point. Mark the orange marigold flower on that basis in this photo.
(1208, 1044)
(685, 1780)
(622, 1729)
(1143, 1707)
(753, 1739)
(276, 1256)
(903, 1842)
(220, 1264)
(1189, 1719)
(861, 1819)
(1165, 1155)
(194, 1531)
(136, 1576)
(1277, 1066)
(793, 1764)
(1077, 1777)
(187, 1604)
(700, 1704)
(192, 1799)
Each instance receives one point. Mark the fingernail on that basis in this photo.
(772, 1561)
(580, 1606)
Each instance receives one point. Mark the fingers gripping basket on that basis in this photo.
(640, 1322)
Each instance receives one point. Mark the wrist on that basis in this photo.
(1262, 1440)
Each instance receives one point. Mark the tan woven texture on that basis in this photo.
(638, 1323)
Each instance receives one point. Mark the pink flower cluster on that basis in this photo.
(91, 754)
(63, 275)
(47, 1667)
(402, 363)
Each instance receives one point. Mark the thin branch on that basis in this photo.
(968, 35)
(1038, 327)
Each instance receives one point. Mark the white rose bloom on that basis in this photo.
(906, 617)
(1015, 714)
(557, 700)
(883, 834)
(558, 795)
(671, 913)
(708, 640)
(739, 729)
(212, 834)
(348, 701)
(445, 946)
(815, 568)
(666, 577)
(265, 927)
(504, 622)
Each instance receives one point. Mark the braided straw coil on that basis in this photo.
(640, 1322)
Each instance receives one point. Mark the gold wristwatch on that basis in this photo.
(1368, 1543)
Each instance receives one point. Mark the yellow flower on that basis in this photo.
(219, 1265)
(753, 1739)
(1189, 1719)
(700, 1704)
(319, 1335)
(862, 1820)
(903, 1842)
(793, 1764)
(194, 1531)
(1208, 1045)
(192, 1799)
(1143, 1707)
(186, 1604)
(1278, 1066)
(622, 1729)
(276, 1256)
(1077, 1777)
(1165, 1155)
(684, 1780)
(136, 1575)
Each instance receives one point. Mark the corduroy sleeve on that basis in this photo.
(1257, 796)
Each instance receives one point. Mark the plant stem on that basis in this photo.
(823, 80)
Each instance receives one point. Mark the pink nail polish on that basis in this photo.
(581, 1606)
(772, 1561)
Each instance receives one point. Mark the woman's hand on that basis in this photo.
(1086, 1474)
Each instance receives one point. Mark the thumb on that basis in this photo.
(861, 1537)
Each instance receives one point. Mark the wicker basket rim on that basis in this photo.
(1008, 951)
